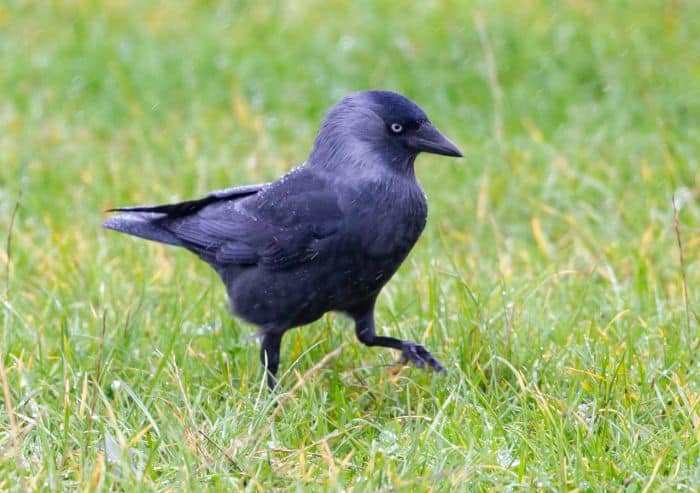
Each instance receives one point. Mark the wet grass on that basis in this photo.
(548, 281)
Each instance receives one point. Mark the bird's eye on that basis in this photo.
(397, 128)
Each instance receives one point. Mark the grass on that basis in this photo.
(548, 280)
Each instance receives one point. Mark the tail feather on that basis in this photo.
(150, 221)
(191, 206)
(144, 225)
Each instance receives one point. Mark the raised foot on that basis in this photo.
(416, 353)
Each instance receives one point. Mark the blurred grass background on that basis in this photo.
(548, 279)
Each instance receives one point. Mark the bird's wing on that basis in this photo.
(277, 228)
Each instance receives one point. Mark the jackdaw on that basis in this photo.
(327, 236)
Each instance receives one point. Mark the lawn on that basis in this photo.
(556, 279)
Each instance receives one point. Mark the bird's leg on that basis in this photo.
(270, 356)
(410, 351)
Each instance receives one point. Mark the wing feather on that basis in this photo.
(277, 229)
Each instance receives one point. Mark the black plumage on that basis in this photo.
(325, 237)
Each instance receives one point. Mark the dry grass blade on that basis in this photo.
(681, 259)
(14, 429)
(494, 85)
(8, 245)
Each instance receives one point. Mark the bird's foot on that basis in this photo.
(416, 353)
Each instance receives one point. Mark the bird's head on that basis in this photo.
(377, 129)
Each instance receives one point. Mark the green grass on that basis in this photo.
(548, 279)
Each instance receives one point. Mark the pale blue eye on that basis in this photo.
(397, 128)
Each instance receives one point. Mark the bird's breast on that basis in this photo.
(388, 221)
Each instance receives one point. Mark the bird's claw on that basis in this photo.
(417, 354)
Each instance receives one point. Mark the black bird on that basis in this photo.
(327, 236)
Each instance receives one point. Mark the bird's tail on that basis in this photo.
(147, 225)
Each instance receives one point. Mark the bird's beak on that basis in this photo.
(429, 139)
